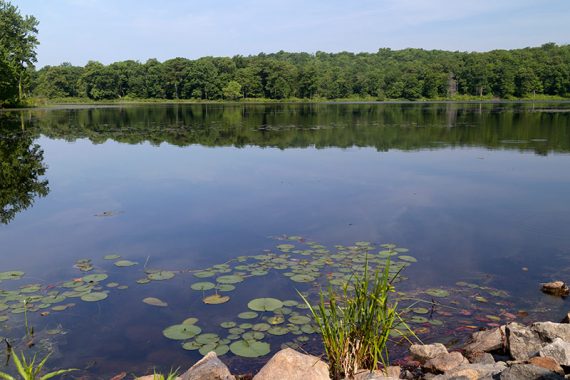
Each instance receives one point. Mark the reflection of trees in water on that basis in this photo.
(21, 168)
(382, 126)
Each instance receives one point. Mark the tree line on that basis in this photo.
(387, 74)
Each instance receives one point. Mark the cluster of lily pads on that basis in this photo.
(305, 266)
(246, 335)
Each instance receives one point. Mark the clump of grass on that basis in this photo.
(29, 370)
(172, 375)
(355, 324)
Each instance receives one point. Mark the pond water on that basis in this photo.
(478, 193)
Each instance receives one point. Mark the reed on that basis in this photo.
(29, 370)
(355, 323)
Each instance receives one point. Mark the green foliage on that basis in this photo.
(17, 51)
(232, 90)
(355, 325)
(171, 375)
(412, 74)
(29, 370)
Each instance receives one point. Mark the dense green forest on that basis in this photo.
(387, 74)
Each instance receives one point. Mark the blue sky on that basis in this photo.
(77, 31)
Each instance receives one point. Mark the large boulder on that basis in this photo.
(289, 364)
(529, 372)
(487, 340)
(549, 331)
(445, 362)
(480, 358)
(558, 350)
(208, 368)
(425, 352)
(522, 342)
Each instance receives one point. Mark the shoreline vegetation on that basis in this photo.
(31, 103)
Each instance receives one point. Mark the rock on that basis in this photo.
(529, 372)
(482, 370)
(556, 288)
(522, 342)
(376, 375)
(424, 352)
(480, 358)
(289, 364)
(151, 377)
(461, 374)
(208, 368)
(547, 363)
(549, 331)
(487, 340)
(445, 362)
(566, 319)
(558, 350)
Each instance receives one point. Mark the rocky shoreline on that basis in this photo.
(540, 351)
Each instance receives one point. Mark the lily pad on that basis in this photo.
(437, 292)
(407, 258)
(215, 299)
(190, 321)
(11, 275)
(152, 301)
(94, 296)
(248, 315)
(161, 275)
(181, 332)
(204, 274)
(250, 349)
(299, 320)
(420, 310)
(125, 263)
(228, 324)
(302, 278)
(95, 277)
(111, 257)
(229, 279)
(264, 304)
(203, 286)
(278, 330)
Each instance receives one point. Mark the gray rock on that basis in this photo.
(487, 340)
(549, 331)
(445, 362)
(529, 372)
(424, 352)
(559, 350)
(208, 368)
(392, 372)
(480, 358)
(289, 364)
(522, 342)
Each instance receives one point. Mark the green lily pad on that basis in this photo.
(11, 275)
(94, 296)
(230, 279)
(261, 327)
(276, 319)
(225, 287)
(407, 258)
(152, 301)
(285, 247)
(420, 310)
(299, 320)
(191, 346)
(181, 332)
(228, 324)
(250, 349)
(253, 335)
(264, 304)
(111, 257)
(161, 275)
(302, 278)
(437, 292)
(278, 330)
(95, 277)
(207, 338)
(190, 321)
(125, 263)
(248, 315)
(203, 286)
(204, 274)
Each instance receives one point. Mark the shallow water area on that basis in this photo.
(271, 199)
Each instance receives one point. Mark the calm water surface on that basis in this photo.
(477, 193)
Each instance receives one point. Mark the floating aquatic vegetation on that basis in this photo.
(11, 275)
(182, 331)
(94, 296)
(160, 275)
(250, 348)
(215, 299)
(264, 304)
(153, 301)
(84, 265)
(111, 257)
(125, 263)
